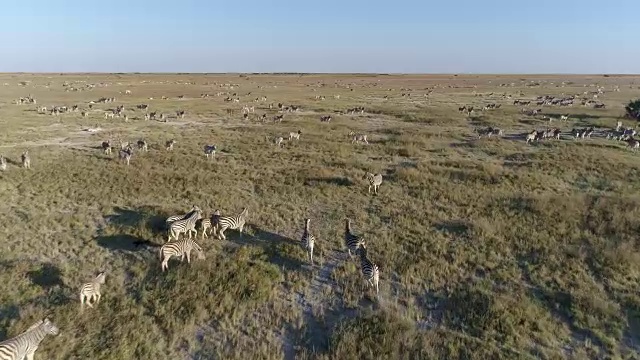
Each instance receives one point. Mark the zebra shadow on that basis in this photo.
(149, 217)
(124, 242)
(281, 250)
(335, 180)
(8, 313)
(47, 276)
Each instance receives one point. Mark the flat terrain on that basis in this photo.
(488, 248)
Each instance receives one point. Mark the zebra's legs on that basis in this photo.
(188, 257)
(30, 355)
(221, 234)
(240, 229)
(369, 189)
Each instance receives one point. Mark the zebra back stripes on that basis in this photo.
(25, 345)
(231, 222)
(188, 224)
(91, 291)
(351, 240)
(180, 248)
(308, 241)
(370, 271)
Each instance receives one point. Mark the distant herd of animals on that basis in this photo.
(190, 223)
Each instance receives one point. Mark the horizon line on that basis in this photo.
(310, 73)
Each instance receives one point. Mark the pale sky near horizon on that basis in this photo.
(403, 36)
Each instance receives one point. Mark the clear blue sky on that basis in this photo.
(451, 36)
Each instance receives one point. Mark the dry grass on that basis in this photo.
(487, 248)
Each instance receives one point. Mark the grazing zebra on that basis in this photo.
(358, 138)
(25, 345)
(307, 241)
(325, 118)
(125, 155)
(26, 160)
(231, 222)
(109, 115)
(169, 144)
(180, 248)
(3, 163)
(84, 114)
(173, 218)
(370, 270)
(532, 136)
(375, 180)
(90, 292)
(350, 239)
(147, 116)
(564, 117)
(295, 135)
(210, 150)
(142, 145)
(187, 224)
(180, 114)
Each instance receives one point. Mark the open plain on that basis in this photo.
(488, 247)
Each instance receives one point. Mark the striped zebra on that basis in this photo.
(3, 163)
(106, 147)
(375, 180)
(90, 292)
(186, 225)
(26, 160)
(369, 270)
(169, 144)
(358, 138)
(173, 218)
(210, 150)
(24, 346)
(180, 248)
(142, 145)
(295, 135)
(352, 241)
(204, 225)
(125, 155)
(308, 240)
(231, 222)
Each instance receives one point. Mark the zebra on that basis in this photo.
(91, 291)
(231, 222)
(169, 144)
(3, 163)
(375, 180)
(632, 143)
(25, 345)
(307, 241)
(531, 136)
(125, 154)
(295, 135)
(26, 160)
(358, 138)
(186, 224)
(142, 145)
(325, 118)
(370, 271)
(180, 248)
(180, 114)
(147, 117)
(204, 225)
(277, 141)
(210, 150)
(173, 218)
(350, 239)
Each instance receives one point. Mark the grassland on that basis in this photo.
(488, 249)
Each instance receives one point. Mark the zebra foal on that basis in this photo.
(24, 346)
(180, 248)
(90, 292)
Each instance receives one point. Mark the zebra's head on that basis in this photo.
(362, 249)
(245, 212)
(49, 327)
(199, 251)
(101, 277)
